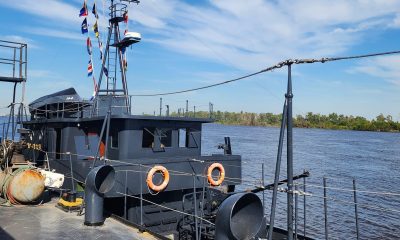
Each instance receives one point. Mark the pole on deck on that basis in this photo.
(289, 97)
(195, 207)
(304, 207)
(277, 171)
(263, 184)
(160, 106)
(356, 208)
(325, 210)
(187, 108)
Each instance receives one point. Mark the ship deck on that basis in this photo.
(48, 222)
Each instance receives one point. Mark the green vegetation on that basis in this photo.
(332, 121)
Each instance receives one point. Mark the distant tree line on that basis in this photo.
(310, 120)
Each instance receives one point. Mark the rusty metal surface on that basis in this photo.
(48, 222)
(27, 186)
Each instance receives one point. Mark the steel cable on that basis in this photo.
(271, 68)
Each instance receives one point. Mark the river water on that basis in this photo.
(371, 158)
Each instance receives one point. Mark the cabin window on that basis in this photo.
(165, 137)
(114, 139)
(148, 138)
(156, 138)
(182, 137)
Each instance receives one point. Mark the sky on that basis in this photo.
(188, 44)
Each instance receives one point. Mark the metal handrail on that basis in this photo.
(18, 59)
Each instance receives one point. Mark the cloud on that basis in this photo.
(246, 35)
(57, 19)
(49, 9)
(20, 39)
(35, 73)
(153, 14)
(396, 22)
(251, 35)
(387, 68)
(64, 34)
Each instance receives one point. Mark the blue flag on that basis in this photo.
(83, 12)
(84, 27)
(105, 71)
(94, 11)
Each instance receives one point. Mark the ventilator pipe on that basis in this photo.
(239, 217)
(99, 181)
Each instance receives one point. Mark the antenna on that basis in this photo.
(131, 1)
(160, 106)
(211, 109)
(187, 108)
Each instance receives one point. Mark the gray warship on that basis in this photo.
(145, 171)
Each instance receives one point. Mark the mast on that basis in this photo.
(117, 100)
(113, 66)
(287, 121)
(289, 145)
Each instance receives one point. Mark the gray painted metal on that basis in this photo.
(289, 97)
(277, 172)
(80, 134)
(325, 210)
(356, 208)
(67, 95)
(240, 216)
(99, 181)
(304, 209)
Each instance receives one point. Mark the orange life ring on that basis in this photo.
(150, 175)
(221, 174)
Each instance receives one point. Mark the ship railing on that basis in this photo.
(99, 107)
(117, 12)
(116, 104)
(118, 9)
(302, 192)
(59, 110)
(13, 63)
(11, 123)
(79, 109)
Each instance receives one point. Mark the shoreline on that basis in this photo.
(277, 126)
